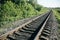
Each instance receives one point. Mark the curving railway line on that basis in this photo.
(38, 28)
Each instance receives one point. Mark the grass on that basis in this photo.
(57, 15)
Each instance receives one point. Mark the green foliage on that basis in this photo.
(58, 11)
(38, 7)
(13, 10)
(57, 14)
(9, 11)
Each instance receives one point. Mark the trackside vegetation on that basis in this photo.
(13, 10)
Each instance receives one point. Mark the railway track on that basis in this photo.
(37, 29)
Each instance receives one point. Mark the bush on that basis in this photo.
(13, 10)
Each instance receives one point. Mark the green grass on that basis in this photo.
(57, 15)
